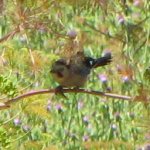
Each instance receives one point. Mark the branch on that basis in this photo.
(9, 35)
(103, 33)
(47, 91)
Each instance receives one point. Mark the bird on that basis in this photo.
(75, 71)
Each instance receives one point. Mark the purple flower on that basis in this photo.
(59, 107)
(86, 119)
(72, 33)
(121, 19)
(136, 3)
(26, 128)
(125, 79)
(147, 147)
(85, 138)
(49, 107)
(17, 122)
(80, 105)
(103, 78)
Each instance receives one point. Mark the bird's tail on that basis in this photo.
(106, 59)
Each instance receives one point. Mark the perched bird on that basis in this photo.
(74, 72)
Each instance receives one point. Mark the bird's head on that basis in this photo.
(59, 70)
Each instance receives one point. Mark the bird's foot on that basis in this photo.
(59, 91)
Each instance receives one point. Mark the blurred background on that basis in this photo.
(33, 34)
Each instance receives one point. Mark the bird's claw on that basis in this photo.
(59, 91)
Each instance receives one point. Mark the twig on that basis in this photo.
(9, 35)
(138, 48)
(47, 91)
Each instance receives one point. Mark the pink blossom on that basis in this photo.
(121, 19)
(103, 77)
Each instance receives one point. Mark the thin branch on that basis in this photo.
(138, 48)
(103, 33)
(9, 35)
(47, 91)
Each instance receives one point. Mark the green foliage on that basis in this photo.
(7, 86)
(4, 138)
(33, 34)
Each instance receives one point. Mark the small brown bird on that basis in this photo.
(74, 73)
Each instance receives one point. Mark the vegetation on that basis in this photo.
(33, 34)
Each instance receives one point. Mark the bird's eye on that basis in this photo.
(91, 62)
(61, 69)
